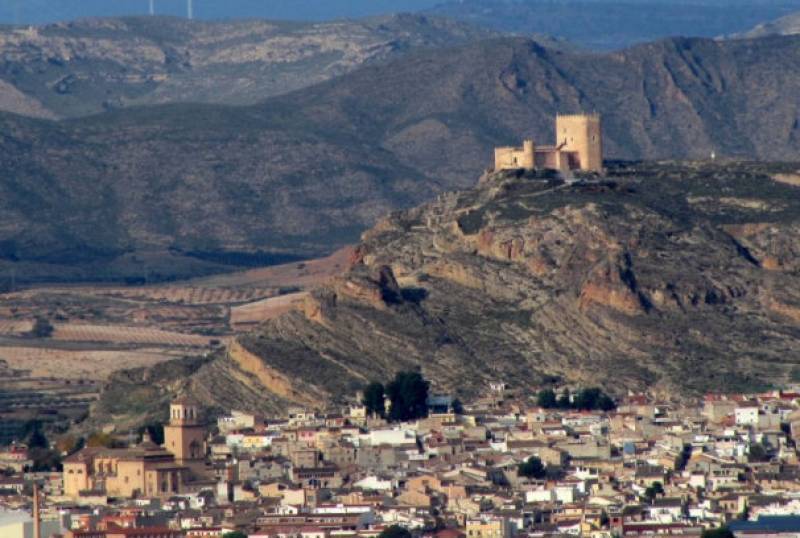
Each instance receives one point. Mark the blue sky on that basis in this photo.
(42, 11)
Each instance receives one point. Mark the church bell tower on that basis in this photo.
(184, 435)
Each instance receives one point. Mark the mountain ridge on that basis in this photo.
(306, 172)
(92, 65)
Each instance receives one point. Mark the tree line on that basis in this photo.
(591, 399)
(407, 394)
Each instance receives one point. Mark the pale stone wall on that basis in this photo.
(511, 157)
(129, 478)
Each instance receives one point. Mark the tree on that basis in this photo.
(234, 534)
(605, 403)
(395, 531)
(758, 452)
(408, 393)
(653, 491)
(533, 468)
(374, 399)
(721, 532)
(547, 399)
(592, 399)
(37, 439)
(42, 328)
(155, 431)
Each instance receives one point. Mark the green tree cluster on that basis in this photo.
(407, 393)
(44, 458)
(654, 491)
(590, 399)
(375, 399)
(532, 468)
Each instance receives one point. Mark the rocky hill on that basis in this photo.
(680, 277)
(88, 66)
(787, 25)
(174, 190)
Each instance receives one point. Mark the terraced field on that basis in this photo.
(98, 331)
(116, 334)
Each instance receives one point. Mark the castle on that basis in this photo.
(579, 146)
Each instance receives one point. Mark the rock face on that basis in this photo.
(787, 25)
(619, 281)
(624, 281)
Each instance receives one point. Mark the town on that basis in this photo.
(402, 461)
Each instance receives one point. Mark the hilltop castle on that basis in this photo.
(579, 146)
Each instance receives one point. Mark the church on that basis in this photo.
(146, 470)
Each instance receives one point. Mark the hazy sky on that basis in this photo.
(40, 11)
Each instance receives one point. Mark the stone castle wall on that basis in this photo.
(579, 146)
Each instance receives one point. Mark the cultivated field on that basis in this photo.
(98, 330)
(46, 363)
(116, 334)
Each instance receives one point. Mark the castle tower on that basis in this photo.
(581, 134)
(528, 159)
(184, 435)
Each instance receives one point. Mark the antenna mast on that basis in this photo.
(152, 7)
(189, 9)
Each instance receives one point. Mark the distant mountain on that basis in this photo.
(49, 11)
(788, 25)
(681, 278)
(614, 24)
(89, 66)
(165, 191)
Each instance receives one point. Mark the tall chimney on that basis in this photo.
(37, 517)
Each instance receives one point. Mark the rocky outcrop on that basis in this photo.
(273, 381)
(620, 281)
